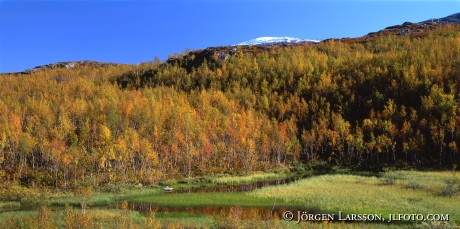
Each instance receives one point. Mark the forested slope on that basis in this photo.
(390, 101)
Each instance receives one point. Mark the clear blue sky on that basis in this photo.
(38, 32)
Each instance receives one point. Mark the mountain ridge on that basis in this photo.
(65, 65)
(451, 19)
(215, 56)
(276, 40)
(219, 54)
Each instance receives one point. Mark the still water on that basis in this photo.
(241, 212)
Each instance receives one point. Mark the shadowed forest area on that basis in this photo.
(389, 102)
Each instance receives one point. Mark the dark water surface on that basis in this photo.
(275, 212)
(239, 187)
(242, 212)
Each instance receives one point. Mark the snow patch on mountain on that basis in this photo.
(277, 40)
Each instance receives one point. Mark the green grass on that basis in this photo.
(101, 198)
(206, 199)
(410, 192)
(111, 194)
(435, 177)
(232, 179)
(358, 194)
(9, 205)
(253, 177)
(17, 214)
(110, 218)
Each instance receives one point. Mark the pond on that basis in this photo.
(242, 212)
(239, 187)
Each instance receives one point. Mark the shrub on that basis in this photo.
(413, 185)
(433, 225)
(114, 188)
(388, 179)
(450, 189)
(16, 192)
(321, 166)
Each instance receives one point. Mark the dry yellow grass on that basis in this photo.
(411, 192)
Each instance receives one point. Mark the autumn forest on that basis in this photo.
(390, 102)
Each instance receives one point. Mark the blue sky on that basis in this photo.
(40, 32)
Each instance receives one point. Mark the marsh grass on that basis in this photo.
(433, 225)
(10, 205)
(208, 182)
(445, 184)
(388, 179)
(334, 225)
(357, 194)
(414, 185)
(450, 189)
(102, 198)
(124, 218)
(111, 218)
(253, 177)
(115, 193)
(207, 199)
(411, 192)
(186, 220)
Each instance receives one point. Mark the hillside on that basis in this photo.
(388, 99)
(451, 19)
(276, 40)
(355, 80)
(65, 65)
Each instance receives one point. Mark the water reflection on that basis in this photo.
(242, 212)
(239, 187)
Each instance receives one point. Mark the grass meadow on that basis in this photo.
(398, 192)
(394, 192)
(253, 177)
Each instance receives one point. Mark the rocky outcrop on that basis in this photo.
(70, 65)
(451, 19)
(66, 65)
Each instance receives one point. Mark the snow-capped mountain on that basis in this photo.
(276, 40)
